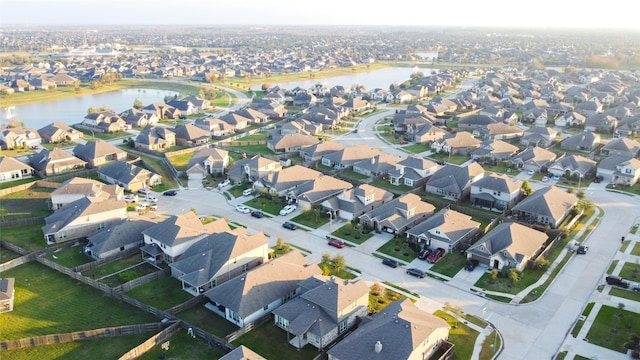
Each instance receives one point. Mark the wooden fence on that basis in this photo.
(17, 188)
(142, 280)
(80, 335)
(250, 326)
(15, 248)
(244, 143)
(200, 299)
(152, 341)
(94, 264)
(22, 222)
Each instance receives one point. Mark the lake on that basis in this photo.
(72, 110)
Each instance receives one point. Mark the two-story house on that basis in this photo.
(412, 171)
(446, 229)
(496, 192)
(397, 215)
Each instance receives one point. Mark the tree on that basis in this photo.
(541, 263)
(585, 204)
(279, 243)
(339, 263)
(265, 87)
(326, 258)
(581, 194)
(137, 104)
(514, 275)
(571, 190)
(91, 110)
(526, 188)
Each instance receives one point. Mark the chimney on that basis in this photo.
(378, 347)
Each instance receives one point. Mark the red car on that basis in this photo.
(337, 243)
(435, 255)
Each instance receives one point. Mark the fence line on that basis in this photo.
(94, 264)
(250, 326)
(152, 341)
(187, 304)
(142, 280)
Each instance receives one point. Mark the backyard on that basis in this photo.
(28, 237)
(271, 342)
(28, 203)
(460, 334)
(163, 293)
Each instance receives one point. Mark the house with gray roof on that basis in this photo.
(454, 181)
(498, 131)
(12, 169)
(82, 217)
(585, 141)
(352, 203)
(608, 166)
(533, 158)
(621, 146)
(347, 157)
(397, 215)
(494, 151)
(547, 206)
(316, 191)
(315, 152)
(129, 176)
(496, 192)
(330, 307)
(99, 152)
(426, 133)
(620, 170)
(207, 160)
(378, 165)
(138, 118)
(191, 135)
(252, 169)
(120, 236)
(462, 142)
(57, 132)
(290, 142)
(510, 245)
(412, 171)
(572, 166)
(54, 162)
(249, 297)
(446, 229)
(539, 136)
(219, 257)
(287, 180)
(468, 123)
(242, 353)
(401, 331)
(155, 138)
(78, 187)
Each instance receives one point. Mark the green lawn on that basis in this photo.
(387, 185)
(168, 181)
(270, 206)
(450, 264)
(114, 266)
(183, 347)
(70, 257)
(612, 267)
(578, 326)
(9, 184)
(48, 302)
(207, 320)
(108, 348)
(490, 346)
(6, 255)
(380, 297)
(237, 190)
(258, 149)
(505, 285)
(271, 342)
(25, 204)
(417, 148)
(354, 175)
(398, 248)
(355, 235)
(163, 293)
(636, 249)
(454, 159)
(612, 327)
(311, 218)
(255, 137)
(180, 162)
(129, 274)
(624, 246)
(630, 271)
(28, 237)
(461, 335)
(624, 293)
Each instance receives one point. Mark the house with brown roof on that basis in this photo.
(12, 169)
(254, 116)
(458, 143)
(247, 298)
(315, 152)
(216, 126)
(236, 120)
(498, 131)
(454, 181)
(290, 142)
(510, 245)
(494, 151)
(57, 132)
(401, 331)
(352, 203)
(301, 126)
(77, 188)
(242, 353)
(252, 169)
(547, 206)
(327, 308)
(446, 229)
(162, 110)
(99, 152)
(19, 137)
(426, 133)
(104, 121)
(191, 135)
(82, 217)
(287, 180)
(397, 215)
(318, 190)
(55, 162)
(155, 138)
(207, 160)
(621, 146)
(533, 158)
(138, 118)
(345, 158)
(539, 136)
(217, 258)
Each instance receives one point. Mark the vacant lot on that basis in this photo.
(612, 327)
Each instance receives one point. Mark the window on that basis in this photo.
(342, 326)
(100, 226)
(62, 234)
(245, 267)
(282, 322)
(266, 307)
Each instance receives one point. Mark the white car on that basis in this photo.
(243, 209)
(545, 178)
(151, 199)
(144, 191)
(224, 183)
(530, 172)
(247, 192)
(288, 209)
(141, 206)
(131, 198)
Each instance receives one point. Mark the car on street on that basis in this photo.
(635, 287)
(336, 243)
(224, 183)
(531, 172)
(416, 272)
(247, 192)
(435, 255)
(151, 199)
(144, 191)
(170, 193)
(289, 225)
(288, 209)
(598, 179)
(545, 178)
(243, 209)
(131, 198)
(556, 177)
(582, 250)
(471, 264)
(153, 206)
(424, 253)
(390, 262)
(257, 214)
(616, 280)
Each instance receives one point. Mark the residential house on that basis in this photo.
(585, 141)
(216, 126)
(608, 166)
(572, 165)
(315, 191)
(533, 158)
(379, 165)
(57, 132)
(496, 192)
(254, 116)
(200, 105)
(315, 152)
(99, 152)
(162, 110)
(409, 333)
(397, 215)
(290, 142)
(131, 177)
(217, 258)
(82, 217)
(498, 131)
(458, 143)
(454, 181)
(170, 238)
(242, 353)
(252, 169)
(236, 120)
(327, 308)
(427, 133)
(547, 206)
(77, 188)
(19, 137)
(412, 171)
(207, 160)
(7, 294)
(54, 162)
(494, 151)
(352, 203)
(626, 173)
(104, 121)
(12, 169)
(471, 122)
(120, 236)
(446, 229)
(509, 245)
(301, 126)
(601, 123)
(539, 136)
(247, 298)
(570, 119)
(154, 138)
(138, 118)
(345, 158)
(304, 100)
(621, 146)
(190, 135)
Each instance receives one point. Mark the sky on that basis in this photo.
(610, 14)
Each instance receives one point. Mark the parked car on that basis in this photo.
(289, 225)
(598, 179)
(247, 192)
(390, 262)
(545, 178)
(288, 209)
(582, 250)
(257, 214)
(141, 206)
(336, 243)
(151, 199)
(635, 287)
(403, 142)
(144, 191)
(224, 183)
(556, 177)
(131, 198)
(243, 209)
(471, 264)
(616, 280)
(424, 253)
(435, 255)
(416, 272)
(531, 172)
(170, 193)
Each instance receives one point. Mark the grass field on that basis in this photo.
(272, 206)
(311, 218)
(355, 235)
(163, 293)
(450, 264)
(6, 255)
(25, 204)
(461, 335)
(180, 162)
(184, 347)
(399, 249)
(48, 302)
(70, 257)
(612, 328)
(630, 271)
(271, 342)
(28, 237)
(207, 320)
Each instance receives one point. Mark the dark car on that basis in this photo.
(582, 250)
(289, 225)
(471, 264)
(435, 255)
(170, 193)
(424, 253)
(617, 281)
(598, 179)
(416, 272)
(257, 214)
(336, 243)
(390, 262)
